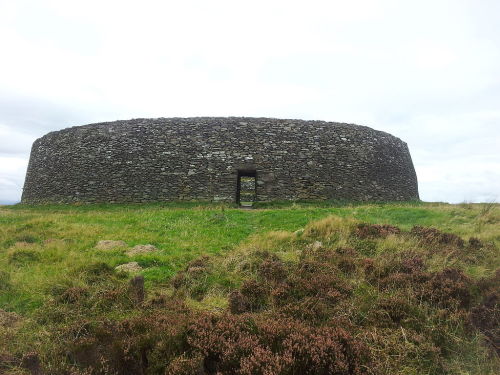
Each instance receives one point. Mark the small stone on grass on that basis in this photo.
(141, 249)
(316, 245)
(129, 267)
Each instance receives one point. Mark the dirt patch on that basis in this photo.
(110, 244)
(141, 249)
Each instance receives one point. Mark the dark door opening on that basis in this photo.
(246, 193)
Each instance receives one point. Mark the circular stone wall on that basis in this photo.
(167, 159)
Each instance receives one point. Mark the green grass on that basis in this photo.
(49, 249)
(182, 232)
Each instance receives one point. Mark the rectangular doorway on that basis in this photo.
(246, 188)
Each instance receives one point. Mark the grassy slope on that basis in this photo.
(42, 248)
(182, 232)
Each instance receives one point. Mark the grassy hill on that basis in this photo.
(282, 289)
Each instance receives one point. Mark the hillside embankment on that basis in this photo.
(282, 289)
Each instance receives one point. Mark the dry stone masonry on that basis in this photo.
(168, 159)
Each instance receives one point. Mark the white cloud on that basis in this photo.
(426, 71)
(13, 141)
(12, 172)
(460, 180)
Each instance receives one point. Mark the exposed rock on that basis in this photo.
(129, 267)
(316, 245)
(299, 232)
(137, 292)
(141, 249)
(110, 244)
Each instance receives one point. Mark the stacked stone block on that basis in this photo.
(170, 159)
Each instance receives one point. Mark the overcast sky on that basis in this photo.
(425, 71)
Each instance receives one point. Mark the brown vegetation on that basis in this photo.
(329, 309)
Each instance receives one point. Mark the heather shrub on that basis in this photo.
(365, 230)
(95, 272)
(73, 295)
(394, 311)
(272, 269)
(271, 345)
(486, 318)
(312, 279)
(403, 351)
(474, 243)
(139, 344)
(369, 267)
(347, 251)
(450, 288)
(305, 290)
(366, 247)
(347, 265)
(486, 315)
(192, 280)
(252, 296)
(346, 259)
(339, 297)
(432, 236)
(202, 262)
(178, 280)
(399, 270)
(411, 263)
(70, 303)
(184, 365)
(318, 253)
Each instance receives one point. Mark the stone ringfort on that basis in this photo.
(204, 158)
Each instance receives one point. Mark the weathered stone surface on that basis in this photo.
(141, 249)
(136, 289)
(129, 267)
(299, 232)
(166, 159)
(110, 244)
(316, 245)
